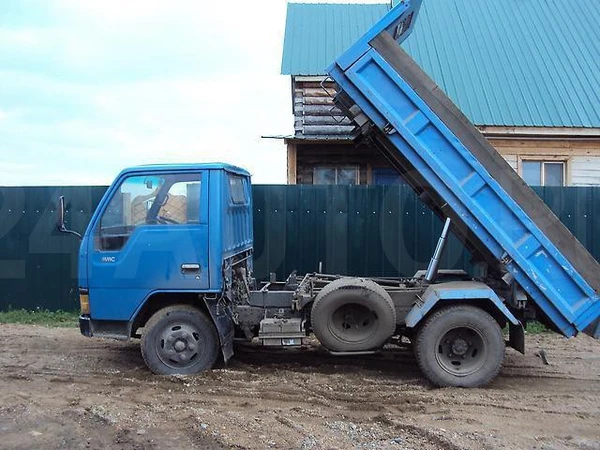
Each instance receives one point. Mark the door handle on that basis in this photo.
(189, 268)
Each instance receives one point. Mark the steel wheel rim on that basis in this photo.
(461, 351)
(179, 345)
(353, 322)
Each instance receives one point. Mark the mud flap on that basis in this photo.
(516, 337)
(593, 329)
(85, 326)
(224, 325)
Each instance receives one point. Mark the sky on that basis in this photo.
(90, 87)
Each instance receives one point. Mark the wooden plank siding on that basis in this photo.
(581, 156)
(323, 138)
(585, 170)
(311, 156)
(314, 111)
(512, 160)
(303, 158)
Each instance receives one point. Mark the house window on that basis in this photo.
(543, 173)
(335, 175)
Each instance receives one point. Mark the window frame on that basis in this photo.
(337, 169)
(170, 179)
(244, 184)
(543, 160)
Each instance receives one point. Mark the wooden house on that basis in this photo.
(525, 72)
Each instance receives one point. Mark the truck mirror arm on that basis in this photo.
(60, 222)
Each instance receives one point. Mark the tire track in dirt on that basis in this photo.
(59, 384)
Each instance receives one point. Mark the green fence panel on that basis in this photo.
(38, 265)
(353, 230)
(357, 230)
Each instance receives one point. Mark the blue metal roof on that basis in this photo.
(512, 63)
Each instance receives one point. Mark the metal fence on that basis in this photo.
(354, 230)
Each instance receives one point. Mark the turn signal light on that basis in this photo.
(84, 303)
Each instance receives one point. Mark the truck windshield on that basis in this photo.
(171, 199)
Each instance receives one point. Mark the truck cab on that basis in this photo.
(162, 234)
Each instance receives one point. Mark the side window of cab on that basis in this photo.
(237, 190)
(166, 199)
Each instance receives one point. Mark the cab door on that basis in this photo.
(152, 236)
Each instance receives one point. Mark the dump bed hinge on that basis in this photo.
(389, 128)
(506, 259)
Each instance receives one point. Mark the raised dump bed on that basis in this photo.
(461, 176)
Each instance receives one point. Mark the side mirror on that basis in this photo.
(60, 221)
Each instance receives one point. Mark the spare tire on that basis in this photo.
(353, 314)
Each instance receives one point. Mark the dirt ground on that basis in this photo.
(59, 389)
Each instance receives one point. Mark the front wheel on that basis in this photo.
(179, 339)
(461, 346)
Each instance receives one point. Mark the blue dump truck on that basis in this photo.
(167, 256)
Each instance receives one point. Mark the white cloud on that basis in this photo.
(89, 87)
(190, 119)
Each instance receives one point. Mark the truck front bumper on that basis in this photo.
(85, 326)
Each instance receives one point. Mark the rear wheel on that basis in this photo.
(353, 314)
(179, 339)
(460, 346)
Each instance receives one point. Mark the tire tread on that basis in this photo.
(422, 335)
